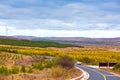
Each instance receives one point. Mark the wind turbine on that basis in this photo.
(6, 31)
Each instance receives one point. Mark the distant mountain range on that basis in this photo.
(84, 41)
(25, 37)
(73, 40)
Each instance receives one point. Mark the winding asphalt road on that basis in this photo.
(96, 74)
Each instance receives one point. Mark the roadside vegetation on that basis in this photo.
(115, 69)
(49, 62)
(15, 65)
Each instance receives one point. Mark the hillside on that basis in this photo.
(31, 43)
(84, 41)
(78, 41)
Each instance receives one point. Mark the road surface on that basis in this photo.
(96, 74)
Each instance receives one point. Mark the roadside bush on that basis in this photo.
(30, 70)
(38, 66)
(65, 61)
(58, 71)
(117, 67)
(4, 70)
(23, 69)
(49, 64)
(14, 70)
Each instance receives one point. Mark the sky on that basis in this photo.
(60, 18)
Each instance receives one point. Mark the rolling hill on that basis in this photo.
(78, 41)
(84, 41)
(32, 43)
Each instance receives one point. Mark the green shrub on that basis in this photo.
(14, 70)
(38, 66)
(23, 69)
(4, 70)
(117, 67)
(49, 64)
(30, 70)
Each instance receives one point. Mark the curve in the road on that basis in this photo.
(99, 73)
(93, 75)
(96, 74)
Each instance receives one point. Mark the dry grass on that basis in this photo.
(56, 73)
(5, 78)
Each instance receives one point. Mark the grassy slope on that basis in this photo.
(30, 43)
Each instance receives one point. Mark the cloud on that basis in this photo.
(54, 24)
(60, 33)
(55, 15)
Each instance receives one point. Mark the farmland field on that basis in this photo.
(88, 54)
(16, 60)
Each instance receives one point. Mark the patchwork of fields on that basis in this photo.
(88, 54)
(35, 60)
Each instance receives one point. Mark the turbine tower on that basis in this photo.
(6, 31)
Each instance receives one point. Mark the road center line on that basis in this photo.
(100, 74)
